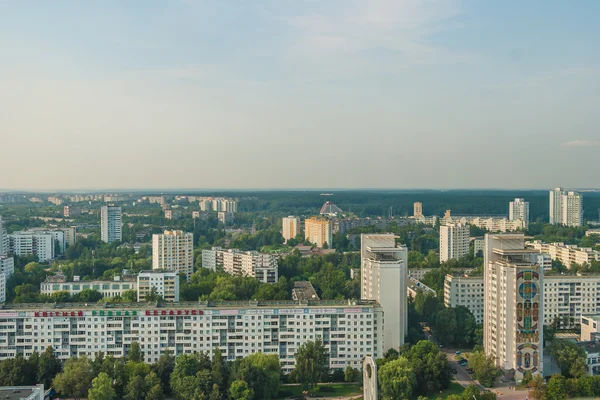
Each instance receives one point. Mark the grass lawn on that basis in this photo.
(336, 390)
(454, 388)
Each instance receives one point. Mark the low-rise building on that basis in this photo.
(304, 291)
(114, 288)
(414, 286)
(350, 330)
(165, 283)
(262, 266)
(568, 254)
(590, 327)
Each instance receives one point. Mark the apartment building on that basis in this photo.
(519, 210)
(383, 279)
(491, 224)
(261, 266)
(418, 209)
(513, 311)
(568, 254)
(467, 291)
(40, 244)
(318, 231)
(114, 288)
(58, 236)
(173, 251)
(70, 235)
(478, 245)
(111, 224)
(4, 242)
(454, 241)
(566, 208)
(349, 330)
(165, 283)
(290, 227)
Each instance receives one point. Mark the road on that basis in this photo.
(463, 378)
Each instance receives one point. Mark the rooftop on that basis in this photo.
(304, 291)
(21, 392)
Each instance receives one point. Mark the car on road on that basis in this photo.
(458, 353)
(470, 370)
(454, 371)
(463, 362)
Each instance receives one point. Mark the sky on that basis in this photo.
(240, 94)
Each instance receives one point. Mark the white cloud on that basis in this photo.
(582, 143)
(361, 31)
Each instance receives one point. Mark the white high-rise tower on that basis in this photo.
(111, 224)
(383, 275)
(566, 208)
(513, 312)
(519, 209)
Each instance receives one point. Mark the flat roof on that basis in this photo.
(17, 392)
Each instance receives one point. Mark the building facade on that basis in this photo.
(349, 331)
(40, 244)
(519, 210)
(165, 283)
(4, 241)
(173, 251)
(383, 279)
(108, 289)
(467, 291)
(566, 208)
(454, 241)
(261, 266)
(111, 224)
(418, 209)
(513, 311)
(318, 231)
(568, 254)
(290, 227)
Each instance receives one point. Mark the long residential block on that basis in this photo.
(349, 330)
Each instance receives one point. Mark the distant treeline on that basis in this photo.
(377, 203)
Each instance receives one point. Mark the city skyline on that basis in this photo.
(285, 95)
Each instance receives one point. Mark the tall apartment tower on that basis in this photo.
(418, 209)
(572, 209)
(318, 231)
(513, 311)
(291, 227)
(173, 251)
(454, 241)
(111, 224)
(383, 279)
(519, 209)
(555, 210)
(566, 208)
(3, 239)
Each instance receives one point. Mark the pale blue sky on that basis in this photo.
(291, 93)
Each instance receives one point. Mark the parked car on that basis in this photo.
(463, 362)
(470, 370)
(458, 352)
(454, 371)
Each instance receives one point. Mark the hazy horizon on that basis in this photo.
(278, 94)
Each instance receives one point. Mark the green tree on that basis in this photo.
(48, 367)
(76, 379)
(351, 374)
(163, 368)
(430, 366)
(557, 388)
(135, 353)
(219, 371)
(570, 357)
(484, 367)
(102, 388)
(312, 363)
(397, 379)
(153, 295)
(135, 389)
(262, 373)
(239, 390)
